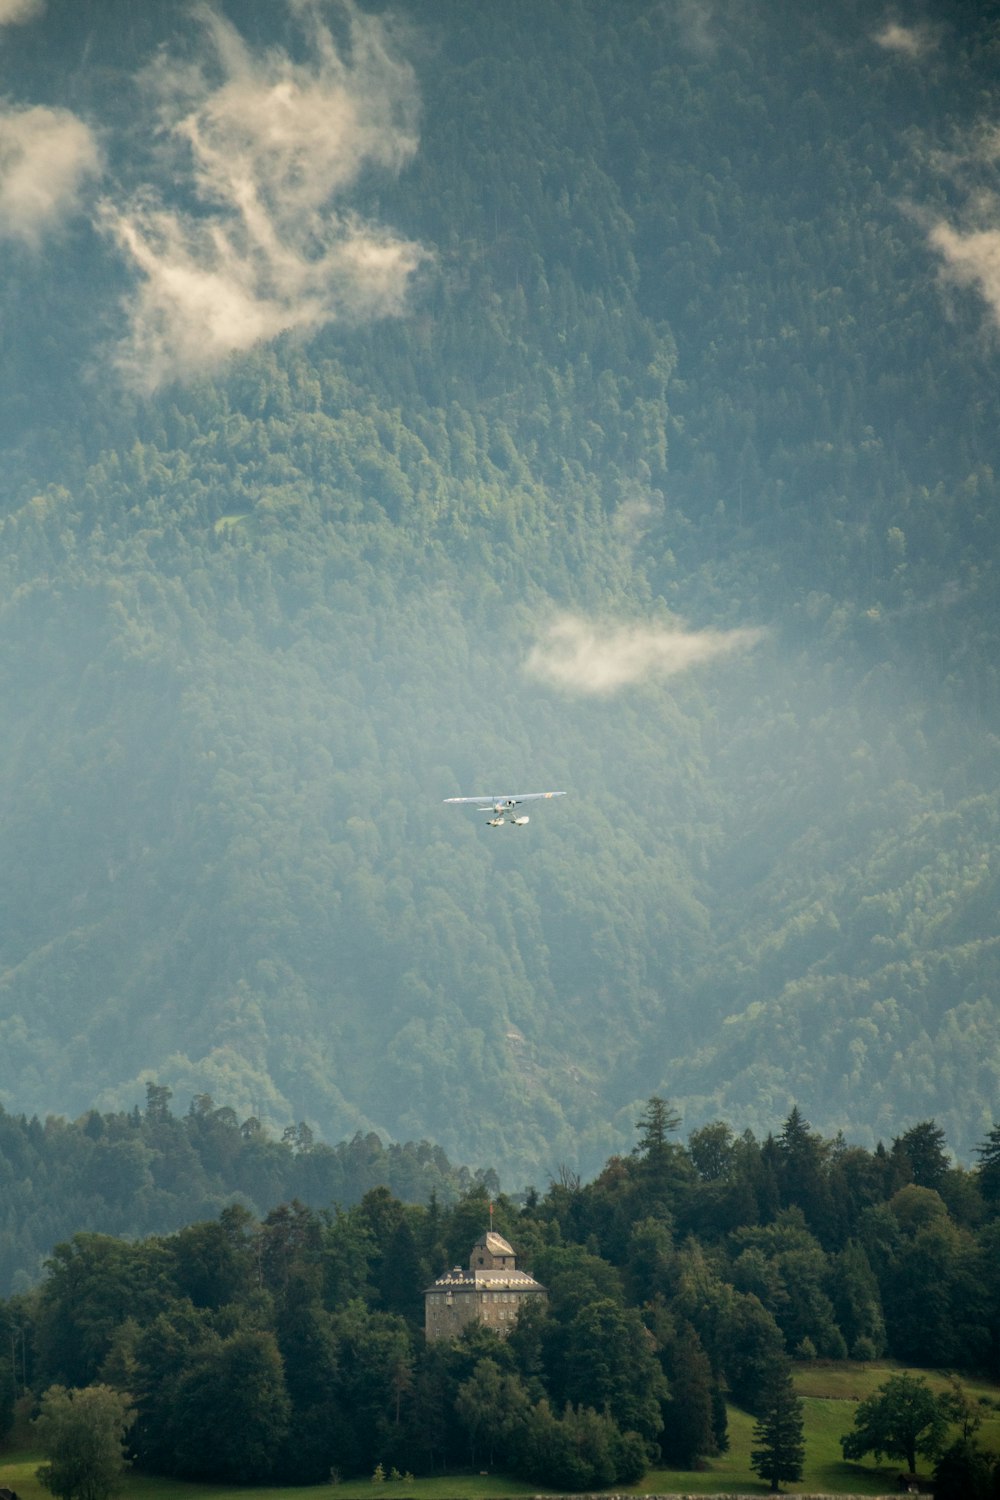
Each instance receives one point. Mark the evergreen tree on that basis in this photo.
(780, 1452)
(657, 1122)
(663, 1166)
(801, 1161)
(922, 1149)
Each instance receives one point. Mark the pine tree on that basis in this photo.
(780, 1452)
(661, 1161)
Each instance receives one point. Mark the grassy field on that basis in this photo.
(829, 1392)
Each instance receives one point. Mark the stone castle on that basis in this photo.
(492, 1291)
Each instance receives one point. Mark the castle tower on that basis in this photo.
(492, 1291)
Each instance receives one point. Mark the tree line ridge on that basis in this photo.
(683, 1277)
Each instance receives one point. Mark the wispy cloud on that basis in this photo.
(46, 157)
(601, 658)
(268, 147)
(971, 259)
(970, 249)
(909, 41)
(696, 22)
(632, 518)
(16, 12)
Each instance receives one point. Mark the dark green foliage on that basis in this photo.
(231, 1410)
(784, 1266)
(663, 1166)
(310, 1353)
(903, 1419)
(932, 1302)
(988, 1152)
(213, 1262)
(164, 1351)
(749, 1344)
(780, 1453)
(606, 1361)
(965, 1472)
(580, 1450)
(495, 1410)
(655, 1124)
(8, 1391)
(689, 1414)
(857, 1303)
(152, 1172)
(922, 1149)
(94, 1284)
(305, 1326)
(799, 1162)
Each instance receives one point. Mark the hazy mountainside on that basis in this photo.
(403, 404)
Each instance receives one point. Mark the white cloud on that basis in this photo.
(696, 20)
(15, 12)
(269, 146)
(632, 517)
(969, 246)
(600, 658)
(971, 259)
(46, 156)
(910, 41)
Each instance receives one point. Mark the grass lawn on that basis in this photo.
(825, 1470)
(829, 1392)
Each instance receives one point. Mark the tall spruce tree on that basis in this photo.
(662, 1165)
(780, 1452)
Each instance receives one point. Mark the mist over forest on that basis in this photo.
(419, 400)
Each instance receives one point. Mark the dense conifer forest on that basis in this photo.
(408, 401)
(682, 1278)
(151, 1171)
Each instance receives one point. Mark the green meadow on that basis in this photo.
(829, 1391)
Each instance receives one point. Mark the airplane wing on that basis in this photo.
(510, 799)
(534, 796)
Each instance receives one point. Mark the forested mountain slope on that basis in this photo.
(402, 403)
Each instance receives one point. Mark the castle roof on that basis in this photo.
(482, 1279)
(500, 1275)
(495, 1244)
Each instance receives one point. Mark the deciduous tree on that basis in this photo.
(82, 1432)
(902, 1419)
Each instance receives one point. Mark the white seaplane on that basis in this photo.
(502, 809)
